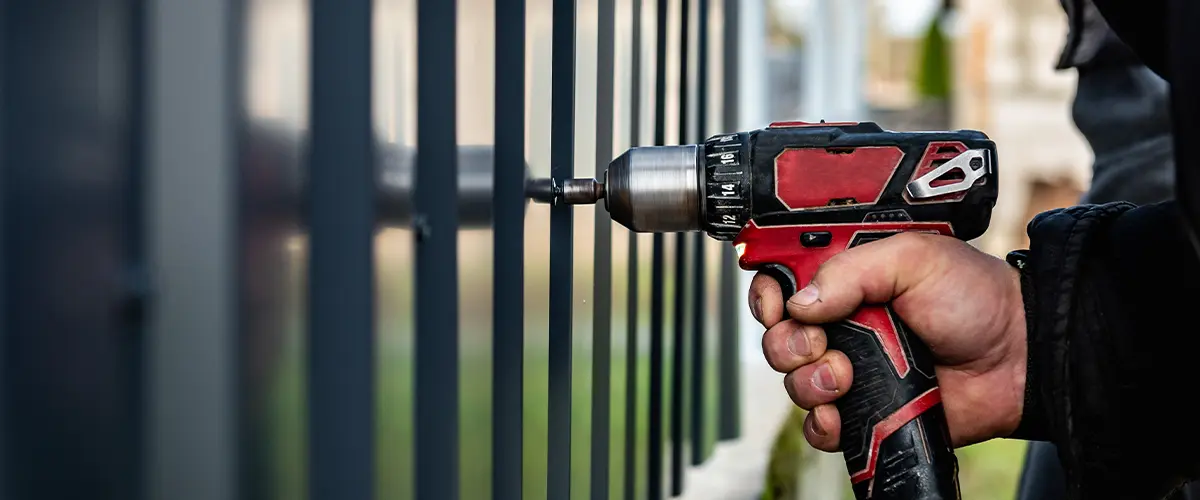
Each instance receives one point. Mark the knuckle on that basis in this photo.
(830, 266)
(909, 238)
(913, 242)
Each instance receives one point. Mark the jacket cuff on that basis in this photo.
(1048, 278)
(1033, 425)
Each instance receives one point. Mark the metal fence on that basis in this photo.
(280, 249)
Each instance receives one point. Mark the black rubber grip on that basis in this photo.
(894, 436)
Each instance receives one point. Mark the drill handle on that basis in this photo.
(894, 436)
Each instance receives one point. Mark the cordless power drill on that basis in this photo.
(791, 196)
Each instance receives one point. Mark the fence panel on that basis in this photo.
(305, 222)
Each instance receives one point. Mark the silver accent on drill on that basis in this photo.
(656, 189)
(581, 191)
(972, 171)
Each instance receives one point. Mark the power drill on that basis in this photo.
(794, 194)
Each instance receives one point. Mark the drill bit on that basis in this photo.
(571, 191)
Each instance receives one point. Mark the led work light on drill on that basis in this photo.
(791, 196)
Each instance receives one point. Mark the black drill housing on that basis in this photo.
(739, 183)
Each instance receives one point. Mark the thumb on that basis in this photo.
(873, 273)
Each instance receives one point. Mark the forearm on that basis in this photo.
(1112, 354)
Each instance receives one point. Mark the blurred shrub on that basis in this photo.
(933, 67)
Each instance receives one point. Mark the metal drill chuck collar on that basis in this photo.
(649, 189)
(667, 189)
(656, 189)
(570, 192)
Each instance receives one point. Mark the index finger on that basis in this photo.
(766, 300)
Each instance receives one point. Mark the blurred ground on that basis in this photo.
(737, 469)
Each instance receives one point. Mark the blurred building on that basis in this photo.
(1009, 88)
(1003, 83)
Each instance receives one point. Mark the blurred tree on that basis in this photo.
(787, 459)
(779, 33)
(933, 69)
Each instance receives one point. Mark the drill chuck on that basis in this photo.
(667, 189)
(655, 189)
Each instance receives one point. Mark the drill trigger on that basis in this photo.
(786, 279)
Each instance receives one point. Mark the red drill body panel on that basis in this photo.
(812, 178)
(795, 124)
(800, 193)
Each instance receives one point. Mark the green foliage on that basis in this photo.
(992, 469)
(787, 457)
(933, 73)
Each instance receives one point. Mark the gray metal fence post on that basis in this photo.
(562, 166)
(631, 375)
(191, 212)
(730, 346)
(509, 238)
(602, 280)
(699, 366)
(436, 226)
(341, 198)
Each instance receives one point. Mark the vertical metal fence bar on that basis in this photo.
(190, 221)
(509, 275)
(562, 166)
(602, 279)
(436, 204)
(629, 490)
(730, 369)
(678, 358)
(696, 363)
(632, 326)
(655, 452)
(683, 285)
(137, 277)
(4, 328)
(341, 201)
(657, 286)
(699, 279)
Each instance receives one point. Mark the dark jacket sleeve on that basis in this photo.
(1114, 354)
(1142, 26)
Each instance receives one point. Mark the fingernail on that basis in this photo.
(823, 378)
(816, 424)
(757, 309)
(798, 343)
(806, 296)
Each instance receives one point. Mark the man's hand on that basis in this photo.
(965, 304)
